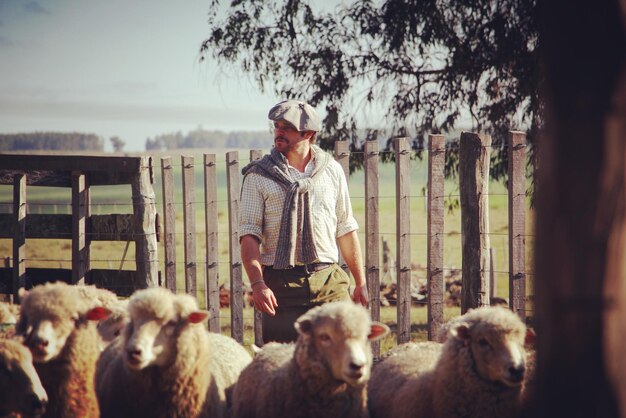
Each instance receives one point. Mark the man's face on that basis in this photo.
(287, 137)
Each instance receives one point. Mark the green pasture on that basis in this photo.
(116, 199)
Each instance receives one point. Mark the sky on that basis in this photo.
(118, 68)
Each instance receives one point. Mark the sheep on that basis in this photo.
(9, 313)
(112, 326)
(323, 374)
(166, 363)
(21, 391)
(478, 372)
(57, 323)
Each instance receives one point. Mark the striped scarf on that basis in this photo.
(297, 208)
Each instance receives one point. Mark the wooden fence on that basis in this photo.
(83, 172)
(474, 152)
(80, 173)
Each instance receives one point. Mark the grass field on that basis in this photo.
(116, 199)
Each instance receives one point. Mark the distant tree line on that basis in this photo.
(50, 141)
(201, 138)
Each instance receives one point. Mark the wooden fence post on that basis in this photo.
(144, 211)
(189, 224)
(80, 213)
(236, 288)
(19, 235)
(403, 238)
(256, 154)
(169, 222)
(474, 153)
(372, 233)
(211, 285)
(517, 223)
(435, 236)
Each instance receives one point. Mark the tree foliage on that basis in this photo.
(428, 66)
(50, 141)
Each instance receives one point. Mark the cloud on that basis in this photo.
(35, 8)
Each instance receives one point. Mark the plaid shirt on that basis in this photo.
(262, 202)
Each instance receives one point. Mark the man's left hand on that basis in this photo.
(360, 295)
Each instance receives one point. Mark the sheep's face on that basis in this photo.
(344, 343)
(20, 388)
(499, 356)
(112, 327)
(150, 341)
(46, 333)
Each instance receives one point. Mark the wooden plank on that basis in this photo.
(236, 288)
(258, 315)
(474, 154)
(517, 223)
(342, 156)
(403, 238)
(45, 178)
(19, 235)
(121, 282)
(435, 233)
(189, 224)
(80, 213)
(372, 233)
(169, 222)
(35, 276)
(144, 210)
(212, 285)
(69, 163)
(113, 227)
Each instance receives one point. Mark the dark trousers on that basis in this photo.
(296, 292)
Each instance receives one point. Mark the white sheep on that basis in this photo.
(166, 363)
(21, 391)
(58, 326)
(478, 372)
(323, 374)
(9, 313)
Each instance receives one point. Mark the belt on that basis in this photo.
(307, 268)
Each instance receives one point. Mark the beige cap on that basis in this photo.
(300, 114)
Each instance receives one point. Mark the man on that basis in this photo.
(295, 216)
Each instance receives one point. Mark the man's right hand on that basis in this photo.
(264, 299)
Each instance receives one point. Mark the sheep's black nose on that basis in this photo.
(36, 405)
(517, 373)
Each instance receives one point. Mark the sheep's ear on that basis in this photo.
(198, 316)
(256, 349)
(530, 337)
(98, 313)
(304, 326)
(461, 331)
(22, 292)
(377, 331)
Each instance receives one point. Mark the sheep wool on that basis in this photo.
(21, 391)
(58, 326)
(166, 364)
(323, 375)
(478, 372)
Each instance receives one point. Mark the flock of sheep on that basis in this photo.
(78, 351)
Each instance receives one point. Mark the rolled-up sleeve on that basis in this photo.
(345, 219)
(251, 207)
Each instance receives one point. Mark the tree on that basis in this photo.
(426, 65)
(117, 144)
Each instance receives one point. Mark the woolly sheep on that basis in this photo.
(323, 374)
(478, 372)
(58, 325)
(166, 363)
(21, 391)
(9, 313)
